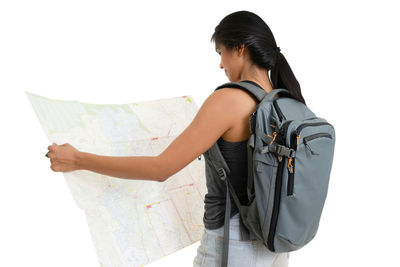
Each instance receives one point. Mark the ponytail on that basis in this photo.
(282, 76)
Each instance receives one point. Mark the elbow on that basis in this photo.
(162, 178)
(163, 175)
(160, 170)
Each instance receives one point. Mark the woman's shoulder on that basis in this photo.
(241, 100)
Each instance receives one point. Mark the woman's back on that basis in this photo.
(233, 146)
(240, 131)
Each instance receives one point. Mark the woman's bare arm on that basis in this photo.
(217, 114)
(134, 167)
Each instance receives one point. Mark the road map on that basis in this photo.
(132, 222)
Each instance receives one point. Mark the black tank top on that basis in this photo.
(235, 155)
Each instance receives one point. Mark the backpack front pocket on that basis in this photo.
(308, 152)
(312, 130)
(307, 186)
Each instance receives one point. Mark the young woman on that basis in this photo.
(248, 52)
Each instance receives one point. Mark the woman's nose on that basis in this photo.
(220, 65)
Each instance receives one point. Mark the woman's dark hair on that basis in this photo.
(248, 29)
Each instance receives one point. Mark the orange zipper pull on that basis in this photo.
(290, 166)
(273, 138)
(298, 137)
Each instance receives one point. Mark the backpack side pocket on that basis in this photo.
(265, 174)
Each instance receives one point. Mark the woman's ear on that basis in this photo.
(241, 50)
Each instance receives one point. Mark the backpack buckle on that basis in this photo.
(222, 174)
(279, 150)
(285, 151)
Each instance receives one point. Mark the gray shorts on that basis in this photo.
(249, 253)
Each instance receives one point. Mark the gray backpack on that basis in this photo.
(290, 154)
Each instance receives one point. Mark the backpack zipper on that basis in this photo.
(294, 138)
(312, 137)
(294, 143)
(317, 135)
(283, 130)
(301, 126)
(278, 111)
(275, 209)
(277, 193)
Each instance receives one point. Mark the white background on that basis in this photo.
(345, 55)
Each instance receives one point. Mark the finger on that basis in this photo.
(53, 167)
(52, 147)
(56, 167)
(52, 155)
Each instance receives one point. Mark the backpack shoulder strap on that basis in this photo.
(223, 171)
(253, 89)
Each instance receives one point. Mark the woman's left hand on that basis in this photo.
(63, 158)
